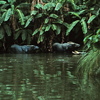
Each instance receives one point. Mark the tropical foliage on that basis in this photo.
(89, 63)
(50, 21)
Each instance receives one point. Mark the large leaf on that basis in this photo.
(66, 24)
(4, 6)
(22, 5)
(8, 14)
(58, 6)
(75, 14)
(29, 34)
(58, 21)
(98, 12)
(58, 30)
(28, 39)
(2, 2)
(12, 9)
(84, 26)
(54, 27)
(80, 12)
(24, 35)
(91, 18)
(11, 1)
(36, 31)
(49, 5)
(98, 32)
(17, 34)
(40, 38)
(46, 20)
(34, 12)
(42, 29)
(2, 32)
(2, 18)
(86, 38)
(38, 15)
(41, 32)
(54, 16)
(71, 27)
(28, 21)
(21, 16)
(29, 31)
(48, 27)
(38, 6)
(7, 29)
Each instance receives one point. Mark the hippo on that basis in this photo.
(23, 49)
(65, 47)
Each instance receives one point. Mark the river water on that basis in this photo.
(44, 76)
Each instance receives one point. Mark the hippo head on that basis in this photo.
(32, 48)
(73, 44)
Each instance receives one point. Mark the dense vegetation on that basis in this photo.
(45, 22)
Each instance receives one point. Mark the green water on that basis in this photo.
(44, 77)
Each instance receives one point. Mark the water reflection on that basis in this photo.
(44, 77)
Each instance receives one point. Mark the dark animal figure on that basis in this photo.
(65, 47)
(23, 49)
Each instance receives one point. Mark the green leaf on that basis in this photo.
(29, 31)
(86, 38)
(98, 32)
(76, 14)
(71, 26)
(38, 6)
(84, 26)
(98, 12)
(58, 21)
(34, 12)
(53, 27)
(36, 31)
(28, 39)
(2, 18)
(58, 6)
(58, 30)
(28, 21)
(66, 24)
(8, 14)
(4, 6)
(40, 39)
(46, 20)
(41, 32)
(91, 18)
(2, 32)
(7, 29)
(16, 35)
(43, 27)
(80, 12)
(12, 9)
(38, 15)
(48, 5)
(53, 16)
(23, 5)
(2, 2)
(21, 16)
(24, 35)
(48, 27)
